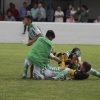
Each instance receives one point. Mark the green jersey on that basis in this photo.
(40, 52)
(84, 16)
(33, 31)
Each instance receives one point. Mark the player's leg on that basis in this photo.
(63, 73)
(94, 72)
(26, 65)
(31, 71)
(37, 73)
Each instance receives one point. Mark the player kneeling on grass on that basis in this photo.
(39, 53)
(75, 74)
(68, 56)
(49, 71)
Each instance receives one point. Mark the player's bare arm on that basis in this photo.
(30, 42)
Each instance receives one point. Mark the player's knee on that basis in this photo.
(48, 73)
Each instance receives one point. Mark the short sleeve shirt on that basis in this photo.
(33, 31)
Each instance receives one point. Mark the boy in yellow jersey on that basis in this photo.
(66, 60)
(75, 74)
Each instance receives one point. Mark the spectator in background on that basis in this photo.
(97, 20)
(23, 11)
(64, 11)
(9, 17)
(34, 12)
(68, 12)
(71, 17)
(83, 14)
(59, 15)
(10, 8)
(1, 17)
(41, 14)
(50, 15)
(14, 11)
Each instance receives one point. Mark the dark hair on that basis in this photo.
(10, 3)
(87, 66)
(50, 33)
(25, 3)
(29, 17)
(75, 49)
(85, 7)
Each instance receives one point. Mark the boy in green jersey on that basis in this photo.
(34, 32)
(39, 53)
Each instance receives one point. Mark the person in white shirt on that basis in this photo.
(59, 15)
(97, 20)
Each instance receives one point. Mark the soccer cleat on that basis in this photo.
(24, 75)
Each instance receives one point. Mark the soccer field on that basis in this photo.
(12, 87)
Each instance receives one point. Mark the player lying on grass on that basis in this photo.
(75, 74)
(34, 32)
(66, 60)
(39, 53)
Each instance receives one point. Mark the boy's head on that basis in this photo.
(84, 7)
(50, 35)
(25, 4)
(28, 20)
(85, 67)
(9, 14)
(76, 51)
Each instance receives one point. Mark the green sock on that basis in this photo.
(63, 73)
(95, 72)
(25, 68)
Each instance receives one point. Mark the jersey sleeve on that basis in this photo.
(51, 56)
(36, 30)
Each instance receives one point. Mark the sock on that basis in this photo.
(25, 68)
(26, 65)
(63, 73)
(94, 72)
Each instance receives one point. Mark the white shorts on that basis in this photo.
(50, 74)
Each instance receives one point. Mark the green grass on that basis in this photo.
(12, 87)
